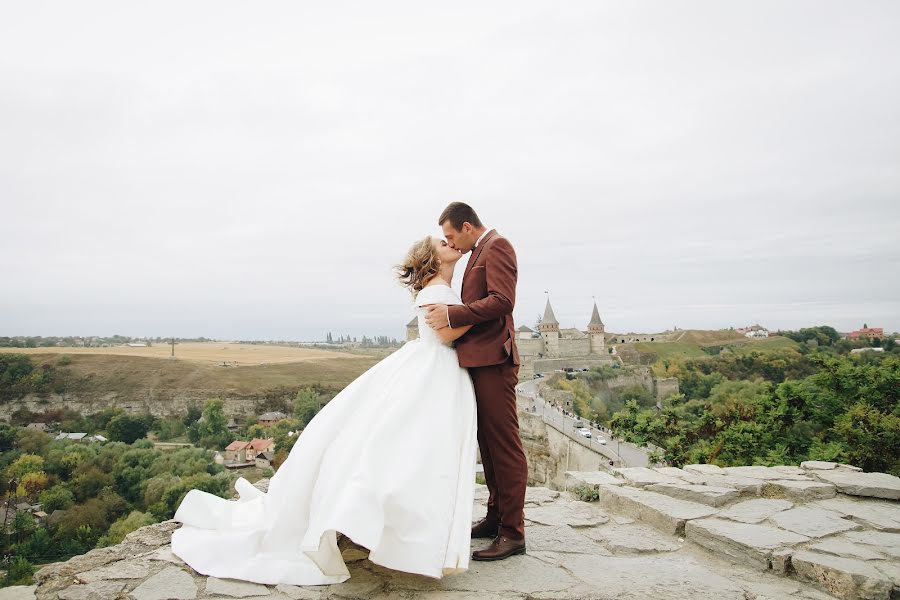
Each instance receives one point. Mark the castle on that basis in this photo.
(552, 347)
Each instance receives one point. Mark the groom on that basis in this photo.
(489, 351)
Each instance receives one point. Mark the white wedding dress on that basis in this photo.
(389, 462)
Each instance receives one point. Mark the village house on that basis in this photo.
(270, 418)
(241, 452)
(265, 459)
(867, 333)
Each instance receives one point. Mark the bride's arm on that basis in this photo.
(449, 334)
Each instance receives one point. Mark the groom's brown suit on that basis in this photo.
(489, 351)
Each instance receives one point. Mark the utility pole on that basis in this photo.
(173, 348)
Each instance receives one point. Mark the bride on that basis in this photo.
(389, 462)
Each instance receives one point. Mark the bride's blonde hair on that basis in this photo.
(420, 265)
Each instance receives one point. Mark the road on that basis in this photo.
(626, 454)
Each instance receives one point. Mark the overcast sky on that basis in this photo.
(253, 170)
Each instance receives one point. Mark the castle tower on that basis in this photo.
(549, 328)
(412, 329)
(597, 331)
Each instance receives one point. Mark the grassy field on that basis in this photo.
(691, 343)
(199, 367)
(207, 352)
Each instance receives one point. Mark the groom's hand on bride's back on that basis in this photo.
(436, 316)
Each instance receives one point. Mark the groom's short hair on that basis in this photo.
(458, 213)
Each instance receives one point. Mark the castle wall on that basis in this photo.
(665, 387)
(581, 347)
(530, 346)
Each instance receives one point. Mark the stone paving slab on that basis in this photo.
(704, 494)
(822, 465)
(843, 577)
(886, 543)
(591, 479)
(663, 512)
(741, 541)
(764, 473)
(813, 522)
(756, 510)
(875, 485)
(877, 514)
(800, 491)
(705, 469)
(685, 476)
(745, 485)
(641, 476)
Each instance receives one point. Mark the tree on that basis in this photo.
(56, 498)
(27, 463)
(126, 428)
(307, 404)
(212, 428)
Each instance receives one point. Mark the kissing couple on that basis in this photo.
(390, 460)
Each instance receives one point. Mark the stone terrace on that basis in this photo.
(823, 523)
(731, 534)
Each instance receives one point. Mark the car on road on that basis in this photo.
(600, 440)
(584, 432)
(537, 375)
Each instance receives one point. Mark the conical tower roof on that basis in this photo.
(595, 317)
(414, 322)
(549, 317)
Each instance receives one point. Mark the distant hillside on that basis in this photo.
(699, 344)
(91, 382)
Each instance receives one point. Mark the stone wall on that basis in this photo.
(579, 347)
(551, 453)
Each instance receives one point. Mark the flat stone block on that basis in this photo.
(234, 588)
(704, 494)
(764, 473)
(169, 584)
(755, 511)
(591, 478)
(877, 514)
(801, 491)
(663, 512)
(741, 541)
(17, 592)
(813, 522)
(705, 469)
(842, 546)
(886, 543)
(875, 485)
(641, 476)
(685, 476)
(846, 578)
(823, 465)
(745, 485)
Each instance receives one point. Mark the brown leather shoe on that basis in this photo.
(485, 529)
(500, 548)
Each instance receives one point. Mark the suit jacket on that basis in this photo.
(489, 296)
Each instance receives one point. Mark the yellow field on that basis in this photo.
(208, 352)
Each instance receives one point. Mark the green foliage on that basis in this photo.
(848, 410)
(58, 497)
(211, 431)
(307, 404)
(64, 360)
(27, 463)
(586, 493)
(126, 428)
(19, 572)
(123, 526)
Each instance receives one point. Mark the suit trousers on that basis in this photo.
(502, 454)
